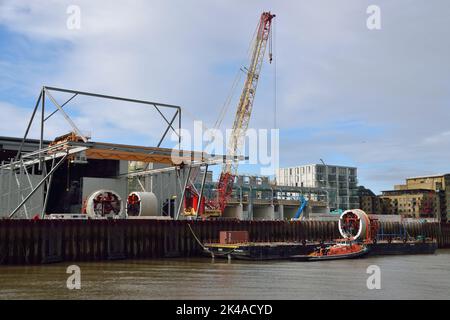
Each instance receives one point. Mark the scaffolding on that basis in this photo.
(29, 175)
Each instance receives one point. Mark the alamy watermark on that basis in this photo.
(374, 280)
(373, 21)
(74, 280)
(73, 21)
(261, 145)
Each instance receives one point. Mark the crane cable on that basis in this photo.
(274, 48)
(224, 110)
(206, 249)
(237, 79)
(225, 107)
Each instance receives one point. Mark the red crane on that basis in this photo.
(216, 207)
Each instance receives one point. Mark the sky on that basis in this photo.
(374, 99)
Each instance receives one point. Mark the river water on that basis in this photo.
(402, 277)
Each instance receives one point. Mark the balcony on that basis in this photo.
(343, 200)
(352, 185)
(320, 177)
(343, 185)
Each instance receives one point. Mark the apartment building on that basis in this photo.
(412, 203)
(372, 204)
(439, 183)
(339, 181)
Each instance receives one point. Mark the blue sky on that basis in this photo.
(378, 100)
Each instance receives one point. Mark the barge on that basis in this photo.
(259, 251)
(398, 247)
(355, 226)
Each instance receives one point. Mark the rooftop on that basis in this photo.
(319, 164)
(429, 176)
(112, 151)
(407, 191)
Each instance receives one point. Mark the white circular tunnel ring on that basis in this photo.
(364, 224)
(96, 203)
(146, 205)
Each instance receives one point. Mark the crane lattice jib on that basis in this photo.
(244, 108)
(244, 111)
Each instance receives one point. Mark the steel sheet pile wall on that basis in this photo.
(45, 241)
(414, 229)
(444, 235)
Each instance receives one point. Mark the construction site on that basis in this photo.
(75, 198)
(74, 175)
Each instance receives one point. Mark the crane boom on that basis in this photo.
(243, 113)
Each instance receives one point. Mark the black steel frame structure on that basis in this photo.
(23, 163)
(46, 92)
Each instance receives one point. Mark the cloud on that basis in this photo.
(17, 119)
(440, 139)
(375, 99)
(16, 116)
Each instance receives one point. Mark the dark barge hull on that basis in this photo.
(285, 251)
(261, 251)
(399, 248)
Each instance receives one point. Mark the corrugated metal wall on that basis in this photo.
(13, 188)
(43, 241)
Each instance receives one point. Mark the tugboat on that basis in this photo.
(343, 249)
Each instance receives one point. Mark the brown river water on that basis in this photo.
(402, 277)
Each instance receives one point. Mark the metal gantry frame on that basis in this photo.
(46, 91)
(24, 164)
